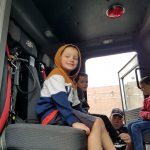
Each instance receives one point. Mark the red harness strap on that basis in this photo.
(5, 112)
(44, 74)
(48, 118)
(7, 51)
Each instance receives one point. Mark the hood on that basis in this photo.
(58, 68)
(57, 60)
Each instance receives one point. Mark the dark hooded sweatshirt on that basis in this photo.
(59, 93)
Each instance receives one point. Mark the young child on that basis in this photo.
(82, 85)
(59, 103)
(137, 127)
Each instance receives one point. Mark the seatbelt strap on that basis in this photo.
(43, 71)
(44, 74)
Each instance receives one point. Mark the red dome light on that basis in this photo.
(115, 11)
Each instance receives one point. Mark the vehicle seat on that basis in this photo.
(31, 135)
(132, 115)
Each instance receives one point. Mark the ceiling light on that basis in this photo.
(115, 11)
(108, 41)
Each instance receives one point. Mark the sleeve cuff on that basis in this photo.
(71, 119)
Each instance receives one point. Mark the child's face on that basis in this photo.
(145, 88)
(83, 83)
(69, 59)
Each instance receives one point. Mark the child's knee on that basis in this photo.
(99, 122)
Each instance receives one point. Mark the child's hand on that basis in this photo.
(148, 116)
(125, 137)
(81, 126)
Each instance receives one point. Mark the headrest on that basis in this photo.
(28, 45)
(25, 42)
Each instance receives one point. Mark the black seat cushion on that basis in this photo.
(50, 137)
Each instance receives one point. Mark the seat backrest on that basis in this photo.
(26, 100)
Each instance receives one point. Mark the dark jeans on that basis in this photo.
(136, 130)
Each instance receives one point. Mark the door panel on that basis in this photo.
(5, 6)
(129, 76)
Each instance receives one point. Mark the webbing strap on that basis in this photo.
(44, 74)
(7, 51)
(5, 112)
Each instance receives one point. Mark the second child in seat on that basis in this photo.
(138, 127)
(59, 103)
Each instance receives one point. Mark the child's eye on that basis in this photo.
(75, 58)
